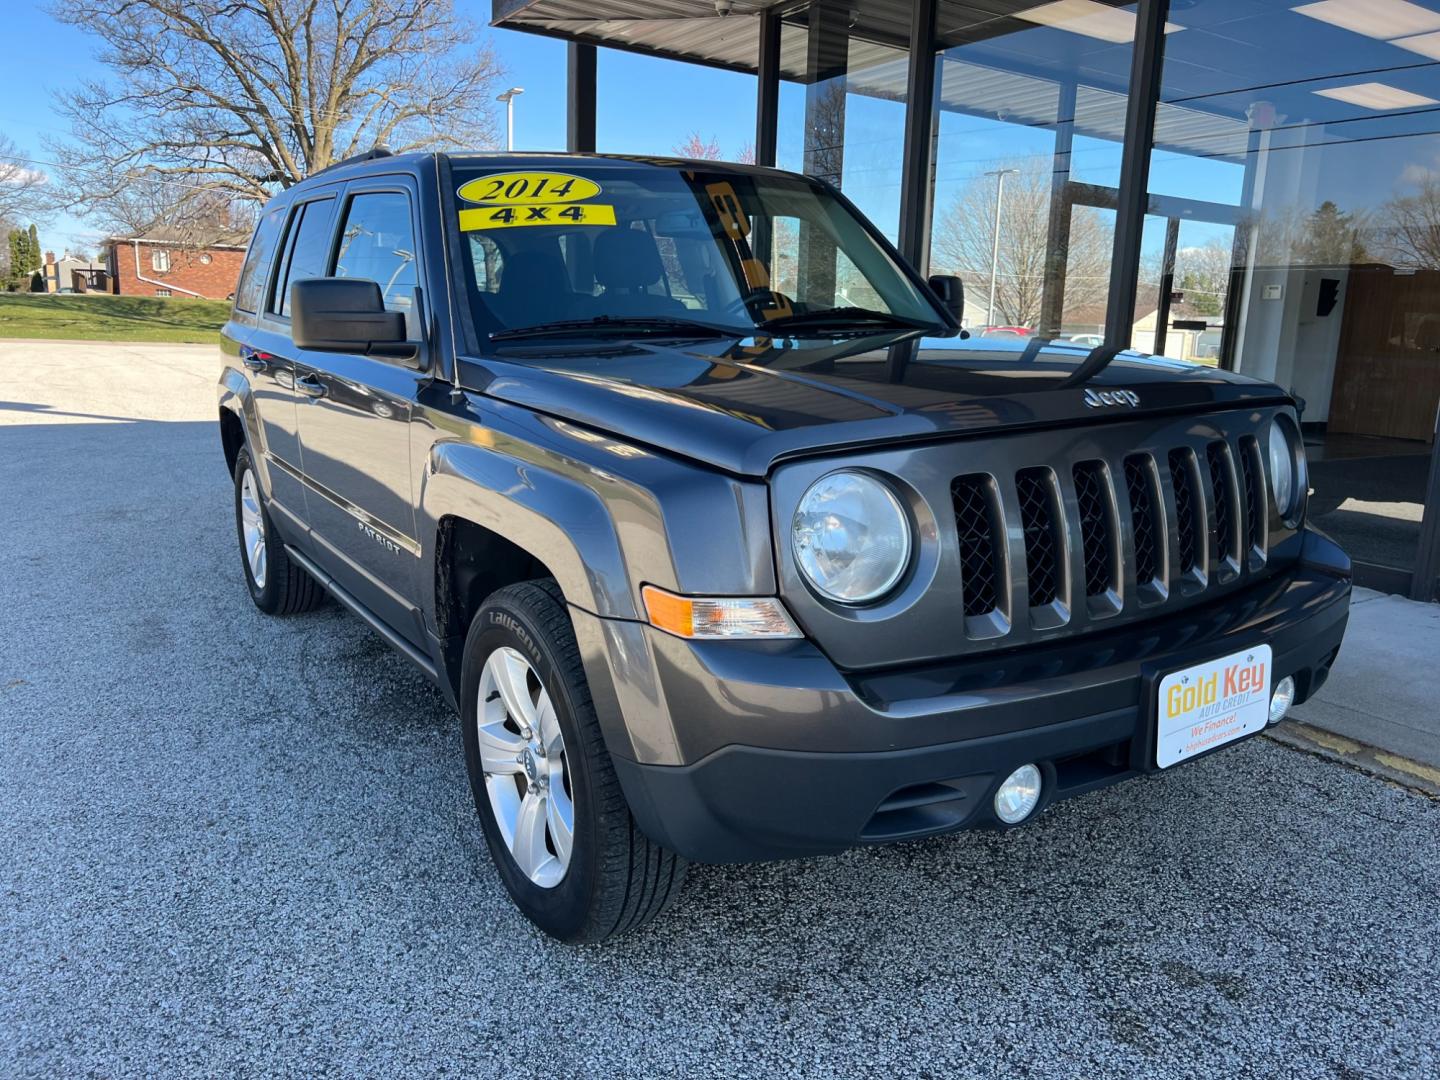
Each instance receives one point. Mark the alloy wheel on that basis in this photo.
(522, 757)
(252, 527)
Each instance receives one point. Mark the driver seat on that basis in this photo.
(627, 262)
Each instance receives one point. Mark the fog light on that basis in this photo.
(1018, 795)
(1282, 699)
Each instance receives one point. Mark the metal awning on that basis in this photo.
(997, 89)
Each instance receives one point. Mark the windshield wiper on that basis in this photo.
(844, 317)
(623, 324)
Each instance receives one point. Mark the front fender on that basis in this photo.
(556, 518)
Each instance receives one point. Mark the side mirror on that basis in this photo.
(951, 291)
(347, 315)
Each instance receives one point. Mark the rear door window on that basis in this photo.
(257, 263)
(307, 253)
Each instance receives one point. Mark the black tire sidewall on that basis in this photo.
(504, 620)
(267, 599)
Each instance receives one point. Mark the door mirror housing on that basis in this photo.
(347, 315)
(951, 292)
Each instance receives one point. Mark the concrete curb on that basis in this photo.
(1368, 759)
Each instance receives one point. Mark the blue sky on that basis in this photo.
(646, 106)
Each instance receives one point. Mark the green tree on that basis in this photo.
(37, 282)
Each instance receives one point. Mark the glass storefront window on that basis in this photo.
(1295, 210)
(1031, 102)
(842, 101)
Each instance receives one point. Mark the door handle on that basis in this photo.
(310, 386)
(254, 359)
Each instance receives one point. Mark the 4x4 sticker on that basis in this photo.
(505, 217)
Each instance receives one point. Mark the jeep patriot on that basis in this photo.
(723, 538)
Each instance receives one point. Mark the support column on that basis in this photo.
(767, 90)
(580, 99)
(826, 65)
(917, 180)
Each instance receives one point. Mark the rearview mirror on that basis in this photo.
(951, 291)
(347, 315)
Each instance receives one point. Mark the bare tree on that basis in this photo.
(1411, 227)
(966, 233)
(238, 98)
(696, 146)
(20, 184)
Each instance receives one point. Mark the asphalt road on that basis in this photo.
(238, 846)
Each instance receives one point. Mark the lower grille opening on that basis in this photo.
(923, 809)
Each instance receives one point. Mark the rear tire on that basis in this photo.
(277, 585)
(613, 878)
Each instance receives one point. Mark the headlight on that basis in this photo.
(851, 537)
(1287, 468)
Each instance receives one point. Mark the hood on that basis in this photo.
(743, 406)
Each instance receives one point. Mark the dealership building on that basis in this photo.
(1248, 183)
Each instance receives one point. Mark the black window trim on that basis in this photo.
(302, 200)
(393, 184)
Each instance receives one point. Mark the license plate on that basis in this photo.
(1211, 704)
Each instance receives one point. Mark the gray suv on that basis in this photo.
(723, 538)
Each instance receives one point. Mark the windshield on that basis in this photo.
(639, 248)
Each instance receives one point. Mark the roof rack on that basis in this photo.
(368, 155)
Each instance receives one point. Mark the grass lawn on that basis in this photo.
(101, 317)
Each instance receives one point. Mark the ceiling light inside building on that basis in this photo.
(1375, 95)
(1383, 19)
(1088, 18)
(1425, 45)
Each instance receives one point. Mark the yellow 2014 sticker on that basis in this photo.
(509, 217)
(528, 189)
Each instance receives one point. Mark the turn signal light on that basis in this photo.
(717, 617)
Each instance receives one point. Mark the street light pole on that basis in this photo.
(999, 175)
(508, 97)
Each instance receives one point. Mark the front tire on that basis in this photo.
(557, 824)
(277, 585)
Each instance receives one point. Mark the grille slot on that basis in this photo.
(1091, 495)
(1182, 478)
(977, 523)
(1040, 519)
(1250, 477)
(1217, 455)
(1145, 522)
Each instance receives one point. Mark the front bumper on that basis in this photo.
(788, 757)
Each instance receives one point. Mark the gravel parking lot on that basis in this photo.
(233, 845)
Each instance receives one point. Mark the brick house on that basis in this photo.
(168, 262)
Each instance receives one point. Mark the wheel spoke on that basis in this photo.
(530, 850)
(499, 749)
(510, 669)
(548, 725)
(560, 817)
